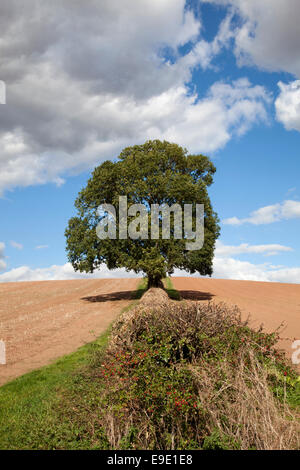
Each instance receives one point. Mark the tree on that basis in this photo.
(153, 173)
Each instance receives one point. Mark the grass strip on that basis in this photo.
(27, 419)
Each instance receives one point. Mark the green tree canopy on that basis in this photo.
(153, 173)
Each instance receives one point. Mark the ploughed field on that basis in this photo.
(42, 321)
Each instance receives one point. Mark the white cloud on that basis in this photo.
(16, 245)
(268, 250)
(204, 52)
(224, 266)
(288, 105)
(268, 35)
(266, 215)
(56, 272)
(84, 82)
(111, 124)
(41, 247)
(227, 267)
(208, 124)
(2, 257)
(230, 268)
(291, 190)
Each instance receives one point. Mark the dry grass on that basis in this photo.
(154, 297)
(182, 319)
(244, 408)
(226, 365)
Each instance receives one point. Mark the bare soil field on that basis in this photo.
(267, 303)
(42, 321)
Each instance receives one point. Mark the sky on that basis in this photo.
(84, 79)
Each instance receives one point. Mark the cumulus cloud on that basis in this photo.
(268, 35)
(268, 250)
(16, 245)
(267, 215)
(209, 124)
(224, 267)
(231, 268)
(85, 80)
(287, 105)
(2, 257)
(59, 272)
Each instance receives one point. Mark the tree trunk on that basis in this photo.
(155, 281)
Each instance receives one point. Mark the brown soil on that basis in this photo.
(41, 321)
(267, 303)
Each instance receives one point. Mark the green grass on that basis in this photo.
(26, 404)
(141, 289)
(28, 417)
(169, 288)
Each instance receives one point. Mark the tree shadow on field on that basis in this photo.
(195, 295)
(111, 296)
(132, 295)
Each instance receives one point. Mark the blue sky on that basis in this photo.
(219, 77)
